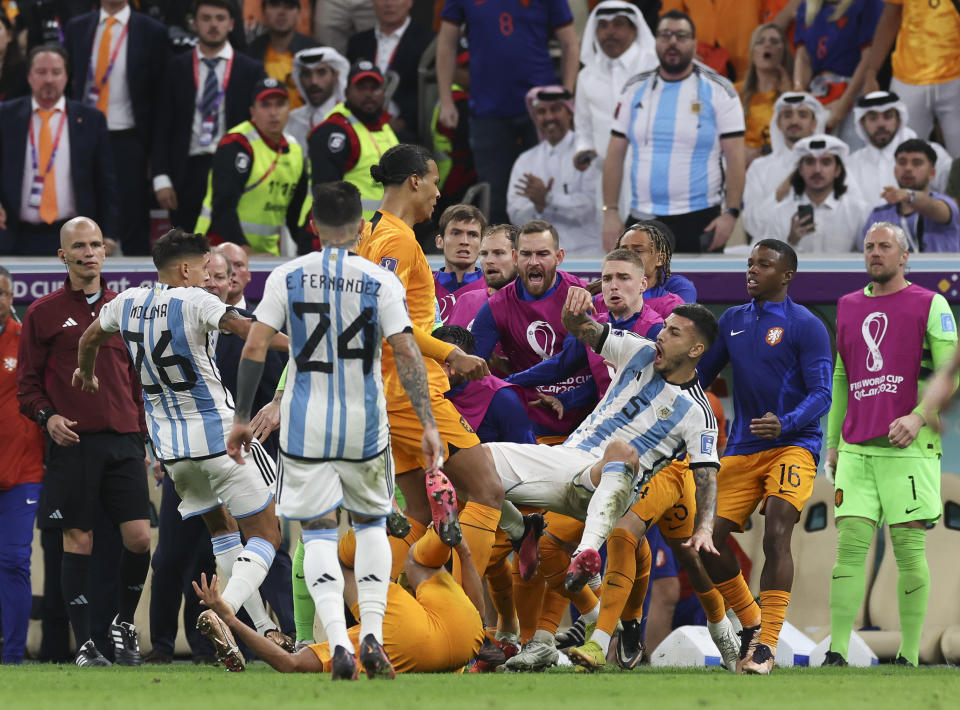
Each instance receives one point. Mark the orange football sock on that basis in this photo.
(633, 609)
(347, 548)
(528, 598)
(430, 550)
(618, 580)
(737, 594)
(713, 605)
(479, 525)
(773, 609)
(500, 582)
(585, 600)
(551, 612)
(554, 561)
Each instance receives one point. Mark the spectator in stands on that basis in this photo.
(819, 215)
(336, 21)
(254, 22)
(44, 20)
(13, 70)
(725, 28)
(619, 45)
(832, 56)
(276, 47)
(928, 218)
(545, 183)
(55, 160)
(396, 44)
(118, 57)
(95, 453)
(461, 229)
(953, 182)
(926, 64)
(769, 74)
(205, 92)
(881, 121)
(241, 205)
(451, 145)
(684, 116)
(354, 136)
(21, 473)
(797, 115)
(509, 56)
(320, 74)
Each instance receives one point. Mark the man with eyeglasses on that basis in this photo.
(686, 126)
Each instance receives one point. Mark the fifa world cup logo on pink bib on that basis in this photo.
(541, 338)
(873, 329)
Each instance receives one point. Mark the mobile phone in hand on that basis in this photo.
(805, 213)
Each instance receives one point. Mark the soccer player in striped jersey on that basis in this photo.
(334, 433)
(167, 329)
(653, 412)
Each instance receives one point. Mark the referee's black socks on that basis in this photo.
(133, 573)
(73, 583)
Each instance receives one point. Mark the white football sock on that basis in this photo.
(372, 568)
(607, 505)
(245, 569)
(591, 616)
(511, 520)
(321, 567)
(602, 638)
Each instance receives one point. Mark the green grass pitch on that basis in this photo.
(186, 687)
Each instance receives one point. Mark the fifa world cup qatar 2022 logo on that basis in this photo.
(873, 329)
(541, 338)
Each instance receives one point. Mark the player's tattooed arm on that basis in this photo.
(413, 375)
(705, 478)
(576, 318)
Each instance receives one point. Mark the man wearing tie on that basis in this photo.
(55, 161)
(205, 92)
(117, 57)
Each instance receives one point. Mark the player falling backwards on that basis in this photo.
(334, 434)
(167, 329)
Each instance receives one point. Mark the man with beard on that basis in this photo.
(544, 182)
(320, 74)
(498, 262)
(796, 115)
(819, 215)
(881, 122)
(885, 453)
(679, 118)
(354, 136)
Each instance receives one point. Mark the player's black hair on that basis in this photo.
(678, 15)
(49, 47)
(178, 244)
(786, 252)
(663, 240)
(400, 162)
(703, 320)
(917, 145)
(221, 4)
(456, 335)
(336, 204)
(839, 182)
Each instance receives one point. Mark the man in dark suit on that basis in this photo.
(117, 57)
(395, 44)
(204, 93)
(55, 161)
(276, 47)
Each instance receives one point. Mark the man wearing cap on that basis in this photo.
(276, 47)
(258, 181)
(320, 74)
(544, 182)
(819, 215)
(618, 44)
(796, 115)
(354, 136)
(928, 218)
(881, 121)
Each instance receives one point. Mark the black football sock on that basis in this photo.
(133, 573)
(73, 584)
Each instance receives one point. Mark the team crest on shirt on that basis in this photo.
(10, 363)
(466, 425)
(242, 162)
(774, 335)
(389, 263)
(838, 497)
(335, 142)
(664, 412)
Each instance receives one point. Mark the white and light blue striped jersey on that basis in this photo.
(661, 420)
(167, 332)
(336, 307)
(675, 129)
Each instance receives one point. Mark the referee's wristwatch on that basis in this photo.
(43, 416)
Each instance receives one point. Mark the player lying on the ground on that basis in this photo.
(435, 629)
(653, 412)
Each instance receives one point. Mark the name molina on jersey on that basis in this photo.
(158, 311)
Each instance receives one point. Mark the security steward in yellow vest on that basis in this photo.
(354, 136)
(259, 180)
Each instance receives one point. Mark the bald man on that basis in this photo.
(240, 265)
(95, 458)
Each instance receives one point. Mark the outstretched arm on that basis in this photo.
(705, 478)
(233, 322)
(90, 342)
(576, 318)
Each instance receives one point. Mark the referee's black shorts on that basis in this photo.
(105, 470)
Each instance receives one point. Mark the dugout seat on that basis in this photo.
(943, 611)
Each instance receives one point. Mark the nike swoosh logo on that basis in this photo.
(735, 332)
(842, 576)
(675, 527)
(911, 591)
(299, 576)
(31, 502)
(910, 510)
